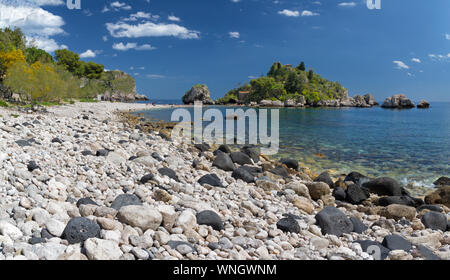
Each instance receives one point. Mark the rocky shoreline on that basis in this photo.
(84, 181)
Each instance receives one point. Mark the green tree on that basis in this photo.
(266, 88)
(90, 70)
(301, 66)
(310, 74)
(68, 59)
(294, 83)
(34, 54)
(12, 39)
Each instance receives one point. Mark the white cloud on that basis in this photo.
(306, 13)
(47, 44)
(439, 57)
(87, 54)
(235, 35)
(116, 6)
(447, 36)
(347, 4)
(235, 1)
(128, 46)
(120, 6)
(150, 29)
(141, 15)
(400, 64)
(36, 23)
(416, 60)
(105, 38)
(32, 20)
(173, 18)
(289, 13)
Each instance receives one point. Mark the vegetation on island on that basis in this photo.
(284, 82)
(33, 76)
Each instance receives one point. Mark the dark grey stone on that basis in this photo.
(36, 240)
(396, 242)
(146, 178)
(339, 194)
(291, 163)
(210, 179)
(224, 148)
(358, 226)
(165, 171)
(32, 165)
(252, 152)
(79, 229)
(224, 162)
(356, 178)
(202, 147)
(210, 218)
(85, 201)
(156, 156)
(280, 171)
(435, 221)
(366, 244)
(355, 194)
(325, 178)
(288, 225)
(384, 186)
(241, 158)
(86, 153)
(243, 174)
(333, 221)
(102, 153)
(125, 200)
(426, 253)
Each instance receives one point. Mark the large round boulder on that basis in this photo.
(384, 186)
(333, 221)
(79, 229)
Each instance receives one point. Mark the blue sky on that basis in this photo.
(169, 45)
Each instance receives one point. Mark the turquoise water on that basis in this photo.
(412, 146)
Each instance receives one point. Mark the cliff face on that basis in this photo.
(120, 87)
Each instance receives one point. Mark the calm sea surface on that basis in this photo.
(412, 146)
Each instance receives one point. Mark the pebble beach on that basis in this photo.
(80, 183)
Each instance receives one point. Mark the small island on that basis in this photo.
(288, 86)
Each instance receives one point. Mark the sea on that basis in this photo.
(410, 145)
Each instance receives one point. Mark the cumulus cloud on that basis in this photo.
(128, 46)
(150, 29)
(400, 64)
(32, 20)
(447, 36)
(289, 13)
(235, 35)
(36, 23)
(88, 53)
(116, 6)
(416, 60)
(47, 44)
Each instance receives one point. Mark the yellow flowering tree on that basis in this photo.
(7, 59)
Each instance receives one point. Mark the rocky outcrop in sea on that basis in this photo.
(398, 101)
(198, 93)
